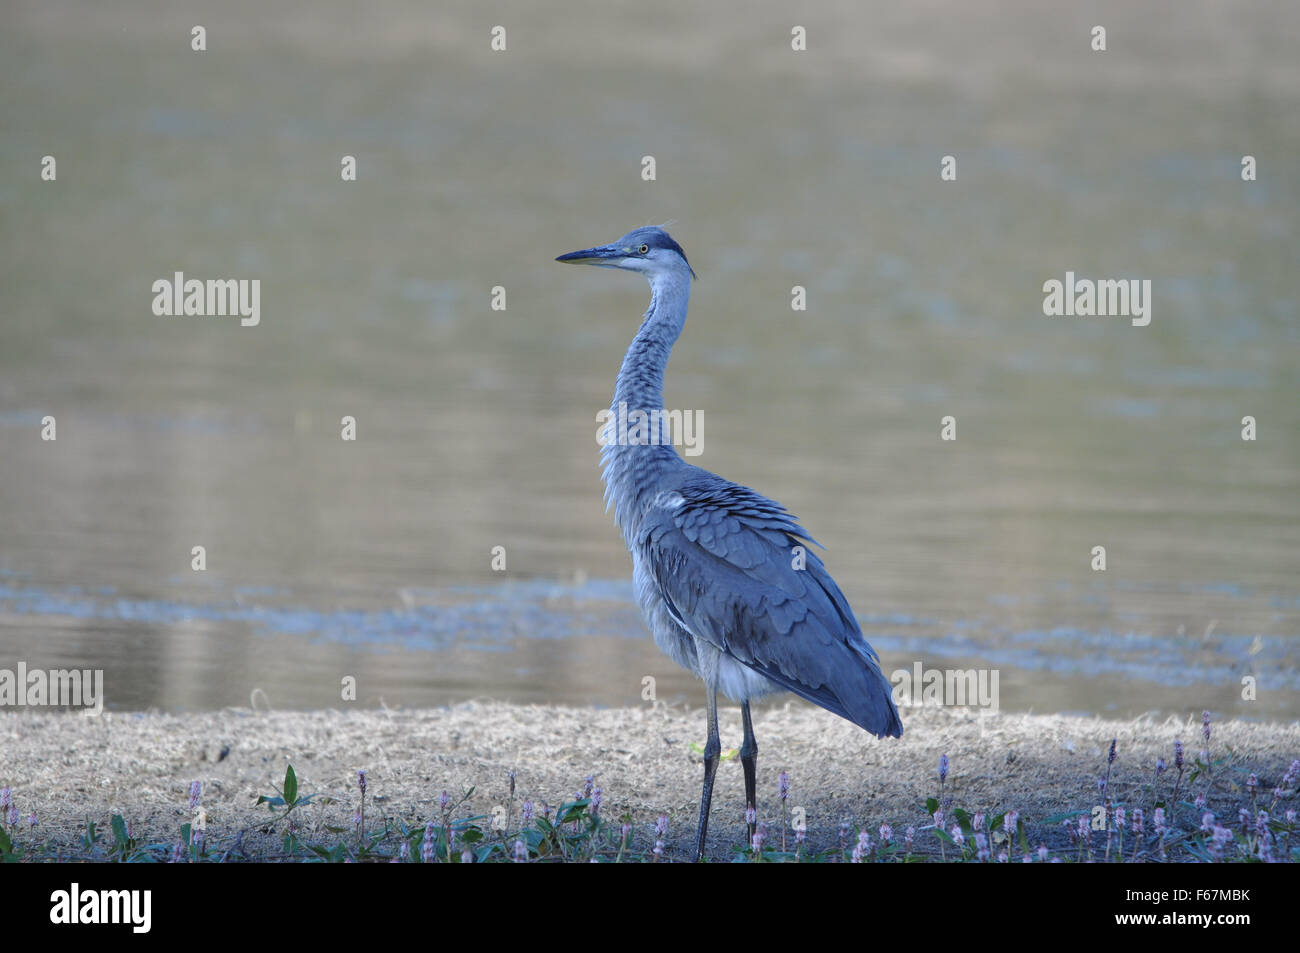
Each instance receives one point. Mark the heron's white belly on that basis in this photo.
(740, 683)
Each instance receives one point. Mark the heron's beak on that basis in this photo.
(601, 255)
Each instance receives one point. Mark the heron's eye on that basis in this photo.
(644, 249)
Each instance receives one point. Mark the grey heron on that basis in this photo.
(723, 575)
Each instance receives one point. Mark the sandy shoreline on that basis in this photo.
(67, 767)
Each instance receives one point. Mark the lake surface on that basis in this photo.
(476, 427)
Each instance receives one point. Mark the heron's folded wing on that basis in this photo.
(736, 571)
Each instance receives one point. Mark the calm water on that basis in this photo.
(476, 427)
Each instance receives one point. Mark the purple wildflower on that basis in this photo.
(1292, 774)
(1219, 839)
(863, 848)
(426, 845)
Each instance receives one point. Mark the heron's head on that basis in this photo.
(649, 250)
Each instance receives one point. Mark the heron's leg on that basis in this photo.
(712, 749)
(749, 761)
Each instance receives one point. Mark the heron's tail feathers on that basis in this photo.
(875, 711)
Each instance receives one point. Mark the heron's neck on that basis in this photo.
(631, 467)
(641, 379)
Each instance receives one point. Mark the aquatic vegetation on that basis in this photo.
(579, 830)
